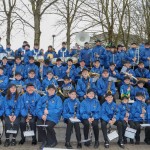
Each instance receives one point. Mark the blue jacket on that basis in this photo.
(109, 111)
(145, 55)
(20, 51)
(90, 108)
(78, 71)
(97, 70)
(59, 71)
(12, 106)
(17, 82)
(102, 86)
(67, 87)
(2, 49)
(100, 50)
(54, 55)
(45, 70)
(122, 56)
(113, 57)
(142, 73)
(118, 76)
(130, 71)
(20, 68)
(63, 53)
(142, 90)
(7, 69)
(36, 52)
(2, 105)
(69, 108)
(29, 67)
(136, 110)
(34, 81)
(54, 107)
(86, 55)
(82, 86)
(3, 82)
(123, 90)
(8, 50)
(29, 103)
(72, 72)
(46, 82)
(26, 56)
(148, 113)
(123, 109)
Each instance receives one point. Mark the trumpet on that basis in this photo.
(131, 76)
(143, 79)
(93, 75)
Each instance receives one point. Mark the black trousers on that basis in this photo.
(8, 126)
(104, 129)
(124, 126)
(147, 133)
(32, 124)
(87, 127)
(48, 134)
(136, 125)
(69, 130)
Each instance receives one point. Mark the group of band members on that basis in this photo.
(71, 90)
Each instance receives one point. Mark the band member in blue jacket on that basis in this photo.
(110, 115)
(140, 88)
(138, 111)
(146, 56)
(18, 66)
(99, 53)
(103, 86)
(147, 129)
(71, 109)
(84, 84)
(36, 52)
(90, 112)
(86, 55)
(50, 80)
(125, 115)
(63, 52)
(28, 103)
(31, 66)
(12, 114)
(2, 108)
(48, 110)
(50, 53)
(32, 79)
(3, 81)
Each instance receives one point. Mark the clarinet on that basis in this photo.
(45, 109)
(143, 111)
(75, 109)
(28, 120)
(91, 115)
(127, 111)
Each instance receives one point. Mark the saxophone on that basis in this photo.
(109, 87)
(69, 68)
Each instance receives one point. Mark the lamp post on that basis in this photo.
(53, 39)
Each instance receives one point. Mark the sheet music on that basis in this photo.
(73, 120)
(11, 131)
(29, 133)
(113, 135)
(42, 125)
(145, 125)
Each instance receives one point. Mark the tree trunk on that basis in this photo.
(37, 31)
(8, 32)
(68, 37)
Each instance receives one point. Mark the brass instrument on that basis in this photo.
(143, 79)
(41, 67)
(14, 72)
(93, 75)
(126, 94)
(69, 68)
(109, 87)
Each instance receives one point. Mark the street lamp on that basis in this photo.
(53, 39)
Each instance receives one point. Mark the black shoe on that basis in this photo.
(21, 142)
(120, 143)
(0, 141)
(131, 141)
(68, 145)
(43, 145)
(137, 143)
(96, 145)
(147, 141)
(87, 143)
(125, 141)
(106, 144)
(13, 142)
(7, 143)
(79, 145)
(54, 144)
(34, 142)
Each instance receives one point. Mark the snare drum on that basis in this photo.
(2, 55)
(54, 61)
(11, 58)
(40, 58)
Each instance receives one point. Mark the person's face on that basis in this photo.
(31, 74)
(112, 49)
(127, 81)
(73, 95)
(58, 63)
(51, 91)
(85, 74)
(26, 47)
(147, 46)
(18, 61)
(36, 47)
(50, 75)
(66, 81)
(31, 61)
(120, 48)
(30, 89)
(50, 49)
(98, 43)
(8, 46)
(112, 67)
(124, 49)
(97, 64)
(13, 89)
(90, 95)
(141, 66)
(141, 85)
(82, 63)
(134, 46)
(1, 72)
(107, 49)
(140, 98)
(18, 77)
(64, 45)
(86, 45)
(109, 99)
(125, 100)
(69, 63)
(105, 74)
(4, 61)
(128, 65)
